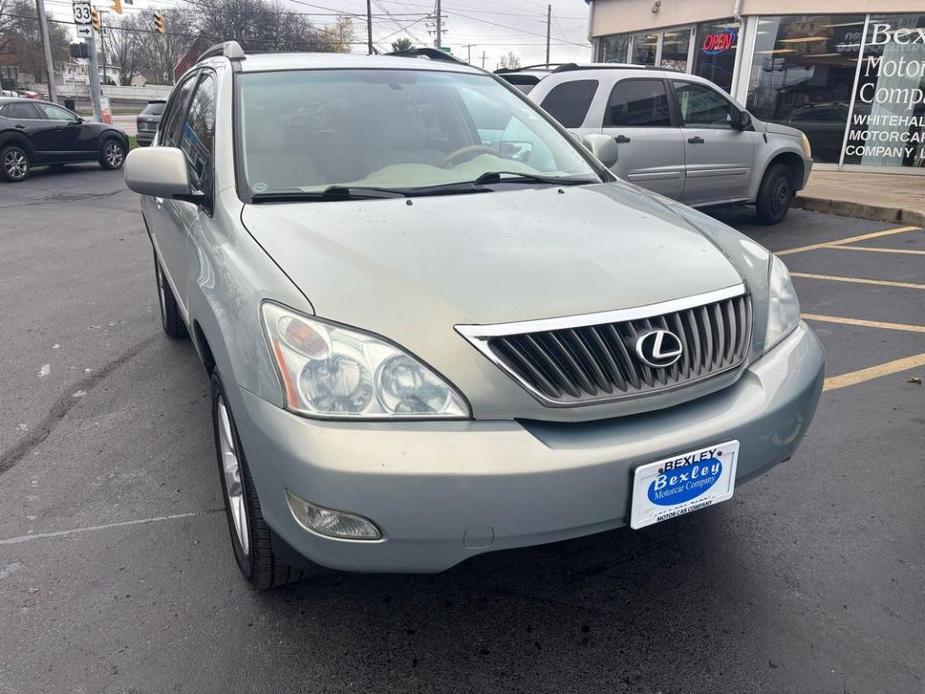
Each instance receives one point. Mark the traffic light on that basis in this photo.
(95, 19)
(117, 6)
(159, 22)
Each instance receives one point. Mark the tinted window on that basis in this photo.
(55, 112)
(702, 107)
(154, 109)
(19, 111)
(639, 103)
(198, 134)
(568, 102)
(170, 126)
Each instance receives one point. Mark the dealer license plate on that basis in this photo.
(683, 483)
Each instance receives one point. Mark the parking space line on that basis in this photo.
(870, 249)
(906, 327)
(857, 280)
(850, 239)
(853, 378)
(107, 526)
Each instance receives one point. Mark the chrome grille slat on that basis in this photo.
(580, 361)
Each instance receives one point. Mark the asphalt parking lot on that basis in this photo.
(116, 575)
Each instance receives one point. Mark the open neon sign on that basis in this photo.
(719, 41)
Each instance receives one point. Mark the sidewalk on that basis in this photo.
(884, 197)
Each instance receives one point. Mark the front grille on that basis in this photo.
(588, 360)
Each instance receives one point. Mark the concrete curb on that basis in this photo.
(848, 208)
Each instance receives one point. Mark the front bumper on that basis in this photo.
(443, 491)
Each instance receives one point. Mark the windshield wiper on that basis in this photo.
(329, 193)
(521, 177)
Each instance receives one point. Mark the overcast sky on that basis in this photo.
(492, 26)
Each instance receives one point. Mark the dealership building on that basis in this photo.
(849, 73)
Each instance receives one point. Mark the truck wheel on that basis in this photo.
(250, 535)
(171, 321)
(774, 195)
(15, 164)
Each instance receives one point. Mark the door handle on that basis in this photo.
(621, 139)
(20, 127)
(696, 140)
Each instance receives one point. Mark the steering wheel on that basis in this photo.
(465, 153)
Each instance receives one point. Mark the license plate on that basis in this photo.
(683, 483)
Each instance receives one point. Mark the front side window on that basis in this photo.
(702, 107)
(569, 102)
(52, 112)
(639, 103)
(198, 134)
(19, 111)
(304, 131)
(170, 126)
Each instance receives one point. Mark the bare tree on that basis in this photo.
(159, 53)
(125, 45)
(402, 44)
(509, 61)
(21, 43)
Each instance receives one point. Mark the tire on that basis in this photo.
(171, 321)
(250, 535)
(112, 153)
(15, 163)
(774, 195)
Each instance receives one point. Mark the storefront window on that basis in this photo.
(887, 122)
(716, 51)
(614, 48)
(674, 49)
(801, 75)
(644, 49)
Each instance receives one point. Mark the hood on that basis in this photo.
(779, 129)
(487, 258)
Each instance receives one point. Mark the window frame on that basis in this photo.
(680, 114)
(673, 111)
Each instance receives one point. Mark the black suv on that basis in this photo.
(39, 133)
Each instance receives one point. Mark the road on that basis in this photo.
(116, 573)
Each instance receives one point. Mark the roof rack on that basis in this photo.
(229, 49)
(502, 70)
(570, 67)
(432, 53)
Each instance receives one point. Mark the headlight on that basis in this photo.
(783, 306)
(807, 149)
(331, 371)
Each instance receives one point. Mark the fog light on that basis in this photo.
(331, 523)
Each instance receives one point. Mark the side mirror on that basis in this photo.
(160, 172)
(603, 147)
(743, 121)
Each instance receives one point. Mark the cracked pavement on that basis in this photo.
(116, 574)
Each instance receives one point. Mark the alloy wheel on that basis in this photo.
(231, 469)
(15, 164)
(113, 154)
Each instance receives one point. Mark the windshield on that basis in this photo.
(307, 130)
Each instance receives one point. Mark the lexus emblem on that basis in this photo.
(658, 348)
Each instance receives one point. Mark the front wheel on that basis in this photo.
(774, 195)
(250, 535)
(112, 154)
(15, 164)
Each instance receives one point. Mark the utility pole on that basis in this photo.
(369, 25)
(483, 59)
(438, 42)
(103, 45)
(469, 52)
(548, 23)
(46, 42)
(94, 77)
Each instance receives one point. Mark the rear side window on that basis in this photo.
(170, 126)
(639, 103)
(569, 102)
(154, 109)
(198, 134)
(20, 111)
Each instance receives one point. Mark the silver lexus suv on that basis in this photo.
(436, 325)
(679, 135)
